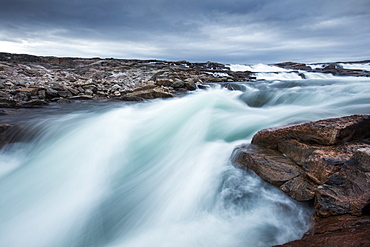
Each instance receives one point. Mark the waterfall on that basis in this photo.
(158, 173)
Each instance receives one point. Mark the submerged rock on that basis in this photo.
(325, 161)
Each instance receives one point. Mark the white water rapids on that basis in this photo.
(158, 173)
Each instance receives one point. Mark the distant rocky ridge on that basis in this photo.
(327, 162)
(32, 81)
(328, 68)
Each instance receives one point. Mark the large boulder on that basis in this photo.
(325, 161)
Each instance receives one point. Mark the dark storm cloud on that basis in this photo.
(225, 31)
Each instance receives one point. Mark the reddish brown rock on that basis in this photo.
(269, 164)
(345, 192)
(336, 231)
(351, 237)
(324, 132)
(337, 223)
(326, 160)
(362, 155)
(300, 188)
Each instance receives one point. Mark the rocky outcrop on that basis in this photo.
(33, 81)
(326, 162)
(294, 66)
(328, 68)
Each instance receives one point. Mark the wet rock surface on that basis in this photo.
(326, 162)
(33, 81)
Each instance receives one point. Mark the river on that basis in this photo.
(158, 173)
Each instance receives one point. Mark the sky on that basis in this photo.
(225, 31)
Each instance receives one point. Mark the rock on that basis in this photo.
(115, 87)
(73, 91)
(51, 93)
(150, 94)
(341, 230)
(81, 97)
(58, 87)
(190, 83)
(324, 132)
(345, 192)
(42, 94)
(88, 92)
(330, 68)
(326, 161)
(9, 84)
(295, 66)
(178, 84)
(336, 223)
(362, 155)
(164, 82)
(351, 237)
(31, 91)
(269, 164)
(300, 188)
(4, 95)
(8, 103)
(64, 93)
(56, 78)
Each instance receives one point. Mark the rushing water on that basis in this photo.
(158, 173)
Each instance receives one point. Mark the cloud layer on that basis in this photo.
(228, 31)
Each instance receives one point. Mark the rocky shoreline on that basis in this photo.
(28, 81)
(33, 81)
(326, 162)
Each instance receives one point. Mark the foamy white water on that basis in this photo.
(271, 72)
(361, 66)
(256, 68)
(158, 173)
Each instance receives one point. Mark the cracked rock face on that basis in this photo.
(326, 161)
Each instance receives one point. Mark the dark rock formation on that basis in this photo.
(326, 161)
(294, 66)
(32, 81)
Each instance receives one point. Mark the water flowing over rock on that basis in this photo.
(326, 161)
(328, 68)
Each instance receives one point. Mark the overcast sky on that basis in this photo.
(227, 31)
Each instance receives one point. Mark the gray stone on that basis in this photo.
(362, 156)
